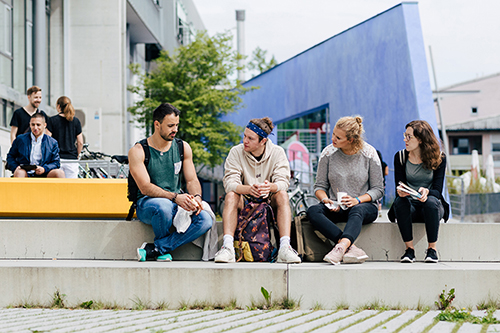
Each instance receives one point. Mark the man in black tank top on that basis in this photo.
(160, 195)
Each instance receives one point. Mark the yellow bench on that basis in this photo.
(79, 198)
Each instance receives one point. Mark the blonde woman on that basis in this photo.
(352, 166)
(67, 130)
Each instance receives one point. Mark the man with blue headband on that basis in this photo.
(257, 168)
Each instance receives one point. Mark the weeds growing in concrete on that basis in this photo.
(58, 300)
(490, 303)
(456, 315)
(445, 299)
(342, 306)
(140, 304)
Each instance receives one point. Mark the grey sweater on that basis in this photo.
(356, 174)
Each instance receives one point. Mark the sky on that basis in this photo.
(464, 34)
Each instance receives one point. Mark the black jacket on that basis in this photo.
(437, 181)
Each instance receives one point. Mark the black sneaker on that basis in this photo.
(147, 251)
(409, 255)
(431, 255)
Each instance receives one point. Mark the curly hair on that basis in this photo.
(430, 149)
(353, 128)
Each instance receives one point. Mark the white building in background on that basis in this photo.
(471, 113)
(82, 49)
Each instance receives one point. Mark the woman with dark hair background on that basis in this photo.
(421, 166)
(67, 130)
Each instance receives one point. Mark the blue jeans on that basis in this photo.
(159, 213)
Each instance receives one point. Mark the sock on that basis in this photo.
(284, 241)
(228, 241)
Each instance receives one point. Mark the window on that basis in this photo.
(465, 145)
(6, 44)
(474, 110)
(6, 111)
(306, 127)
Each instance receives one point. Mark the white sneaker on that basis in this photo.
(288, 255)
(225, 254)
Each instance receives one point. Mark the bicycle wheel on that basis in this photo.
(304, 203)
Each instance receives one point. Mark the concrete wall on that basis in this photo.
(376, 69)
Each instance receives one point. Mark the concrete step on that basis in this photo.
(314, 285)
(118, 240)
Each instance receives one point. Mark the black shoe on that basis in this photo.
(147, 251)
(431, 255)
(409, 255)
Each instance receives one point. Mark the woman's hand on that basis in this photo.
(327, 201)
(349, 201)
(424, 191)
(401, 193)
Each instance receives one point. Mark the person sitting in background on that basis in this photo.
(35, 154)
(67, 130)
(421, 166)
(349, 167)
(20, 122)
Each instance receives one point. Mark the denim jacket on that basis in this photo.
(20, 153)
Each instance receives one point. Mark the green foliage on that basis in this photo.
(86, 305)
(267, 295)
(58, 300)
(195, 79)
(259, 63)
(139, 304)
(445, 299)
(465, 316)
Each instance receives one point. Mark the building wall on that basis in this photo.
(91, 68)
(376, 69)
(483, 94)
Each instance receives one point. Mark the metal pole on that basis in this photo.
(240, 28)
(443, 127)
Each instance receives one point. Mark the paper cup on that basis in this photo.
(340, 195)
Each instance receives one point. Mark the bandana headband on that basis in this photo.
(257, 130)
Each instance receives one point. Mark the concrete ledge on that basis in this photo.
(393, 284)
(122, 283)
(50, 197)
(118, 240)
(80, 239)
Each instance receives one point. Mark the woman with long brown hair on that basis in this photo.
(420, 167)
(67, 130)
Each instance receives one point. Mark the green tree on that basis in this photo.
(259, 63)
(195, 79)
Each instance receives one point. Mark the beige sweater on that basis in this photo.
(241, 168)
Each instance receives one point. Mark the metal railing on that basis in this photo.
(457, 200)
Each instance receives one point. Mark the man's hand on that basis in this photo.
(188, 202)
(264, 188)
(39, 170)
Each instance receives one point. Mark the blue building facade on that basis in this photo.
(376, 69)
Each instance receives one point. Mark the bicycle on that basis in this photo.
(300, 200)
(97, 171)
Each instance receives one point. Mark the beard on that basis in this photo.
(166, 137)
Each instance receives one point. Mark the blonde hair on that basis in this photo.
(353, 128)
(66, 107)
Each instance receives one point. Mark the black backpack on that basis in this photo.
(132, 189)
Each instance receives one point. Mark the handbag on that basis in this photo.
(311, 244)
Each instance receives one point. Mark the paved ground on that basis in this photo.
(47, 320)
